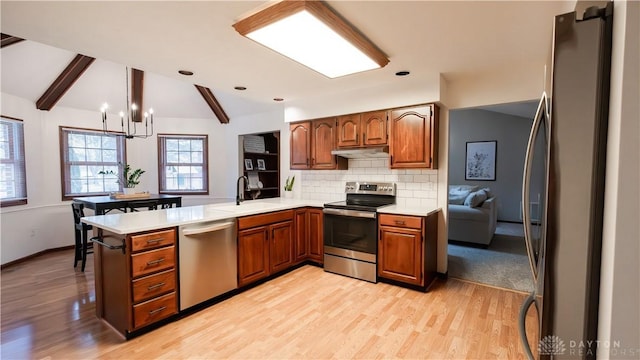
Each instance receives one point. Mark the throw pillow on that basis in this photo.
(475, 199)
(488, 191)
(457, 198)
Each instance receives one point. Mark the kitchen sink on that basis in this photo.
(245, 206)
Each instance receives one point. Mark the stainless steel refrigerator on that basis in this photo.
(563, 188)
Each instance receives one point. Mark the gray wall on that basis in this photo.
(511, 133)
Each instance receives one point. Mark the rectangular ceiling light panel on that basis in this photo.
(322, 42)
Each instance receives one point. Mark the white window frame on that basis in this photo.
(164, 161)
(14, 160)
(92, 166)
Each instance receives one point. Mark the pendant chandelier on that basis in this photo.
(133, 118)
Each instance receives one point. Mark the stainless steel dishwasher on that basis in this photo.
(208, 261)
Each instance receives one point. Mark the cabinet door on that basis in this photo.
(300, 145)
(349, 130)
(316, 235)
(323, 139)
(411, 137)
(374, 128)
(281, 246)
(400, 255)
(253, 254)
(301, 248)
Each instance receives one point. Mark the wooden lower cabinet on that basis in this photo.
(309, 242)
(265, 245)
(253, 255)
(407, 249)
(136, 287)
(316, 235)
(281, 246)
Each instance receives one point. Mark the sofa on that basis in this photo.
(473, 213)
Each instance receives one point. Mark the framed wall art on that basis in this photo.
(480, 161)
(261, 165)
(248, 164)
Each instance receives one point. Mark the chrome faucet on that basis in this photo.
(240, 198)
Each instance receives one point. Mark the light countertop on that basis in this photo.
(128, 223)
(404, 210)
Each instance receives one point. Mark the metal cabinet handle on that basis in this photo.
(153, 312)
(155, 262)
(155, 286)
(400, 222)
(154, 241)
(98, 240)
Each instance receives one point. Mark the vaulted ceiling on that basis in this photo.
(428, 38)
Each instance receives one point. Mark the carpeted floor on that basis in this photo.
(504, 264)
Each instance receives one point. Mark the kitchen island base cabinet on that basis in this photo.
(136, 279)
(407, 249)
(265, 245)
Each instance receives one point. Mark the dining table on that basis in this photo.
(105, 203)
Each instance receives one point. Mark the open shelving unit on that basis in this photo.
(263, 152)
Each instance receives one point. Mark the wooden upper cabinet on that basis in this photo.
(349, 130)
(366, 129)
(374, 128)
(311, 145)
(323, 140)
(300, 141)
(414, 137)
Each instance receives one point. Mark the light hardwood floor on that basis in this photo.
(48, 312)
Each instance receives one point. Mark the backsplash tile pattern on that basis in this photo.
(415, 187)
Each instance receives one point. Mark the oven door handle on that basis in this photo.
(353, 213)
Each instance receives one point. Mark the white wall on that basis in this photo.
(619, 311)
(46, 221)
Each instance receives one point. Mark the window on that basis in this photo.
(182, 165)
(13, 181)
(85, 153)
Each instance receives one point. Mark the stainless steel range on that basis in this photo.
(351, 229)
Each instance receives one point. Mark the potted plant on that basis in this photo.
(127, 178)
(288, 187)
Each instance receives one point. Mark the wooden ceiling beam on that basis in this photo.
(9, 40)
(137, 86)
(213, 104)
(65, 80)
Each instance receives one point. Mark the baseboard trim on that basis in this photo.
(511, 222)
(39, 253)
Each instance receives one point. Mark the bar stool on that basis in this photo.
(84, 245)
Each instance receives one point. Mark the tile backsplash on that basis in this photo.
(415, 187)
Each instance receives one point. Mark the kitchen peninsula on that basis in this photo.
(137, 268)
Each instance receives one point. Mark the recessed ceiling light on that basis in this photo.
(402, 73)
(241, 88)
(278, 99)
(185, 72)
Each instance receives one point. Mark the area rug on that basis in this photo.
(504, 264)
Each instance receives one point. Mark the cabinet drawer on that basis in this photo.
(153, 240)
(153, 310)
(264, 219)
(154, 285)
(152, 261)
(401, 221)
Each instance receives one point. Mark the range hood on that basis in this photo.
(363, 153)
